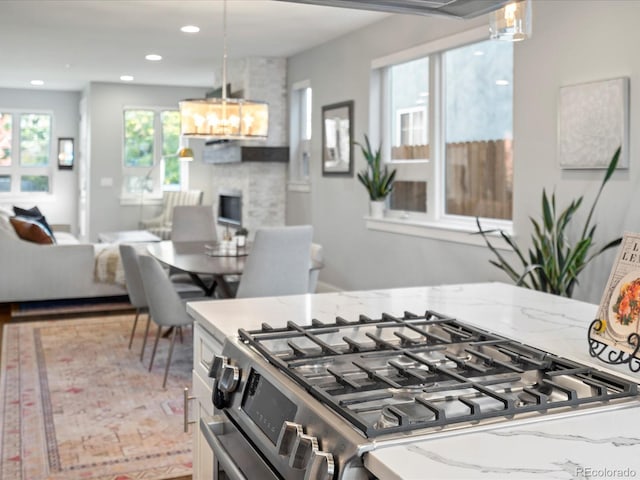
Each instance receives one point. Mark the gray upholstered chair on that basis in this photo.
(165, 305)
(278, 263)
(193, 224)
(135, 288)
(160, 225)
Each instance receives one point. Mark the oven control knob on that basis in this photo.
(219, 361)
(229, 379)
(320, 467)
(304, 447)
(288, 434)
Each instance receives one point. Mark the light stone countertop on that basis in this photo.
(598, 444)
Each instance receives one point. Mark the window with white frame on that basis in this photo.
(25, 152)
(150, 153)
(447, 124)
(300, 133)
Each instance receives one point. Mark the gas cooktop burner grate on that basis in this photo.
(398, 374)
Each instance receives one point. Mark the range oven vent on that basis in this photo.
(464, 9)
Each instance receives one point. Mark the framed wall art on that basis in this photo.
(337, 144)
(66, 153)
(593, 121)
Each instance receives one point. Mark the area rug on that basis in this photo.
(76, 403)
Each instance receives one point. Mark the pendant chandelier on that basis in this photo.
(224, 118)
(511, 22)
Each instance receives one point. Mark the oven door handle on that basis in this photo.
(220, 453)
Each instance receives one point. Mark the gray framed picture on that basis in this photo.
(337, 144)
(593, 121)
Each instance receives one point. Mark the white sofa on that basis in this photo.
(30, 272)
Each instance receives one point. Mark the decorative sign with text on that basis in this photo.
(619, 312)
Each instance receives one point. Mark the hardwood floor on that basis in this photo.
(5, 317)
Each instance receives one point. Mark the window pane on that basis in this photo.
(5, 139)
(409, 196)
(170, 144)
(306, 116)
(34, 183)
(138, 138)
(5, 183)
(409, 101)
(478, 130)
(35, 140)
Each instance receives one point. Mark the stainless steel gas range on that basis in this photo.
(309, 402)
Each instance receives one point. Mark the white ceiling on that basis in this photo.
(68, 43)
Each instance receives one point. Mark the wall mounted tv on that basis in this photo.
(230, 208)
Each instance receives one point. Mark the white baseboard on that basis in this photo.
(324, 287)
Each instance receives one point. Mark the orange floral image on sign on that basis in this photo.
(627, 306)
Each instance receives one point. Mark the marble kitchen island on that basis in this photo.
(602, 442)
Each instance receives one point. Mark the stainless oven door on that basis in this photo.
(235, 458)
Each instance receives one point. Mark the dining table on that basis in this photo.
(207, 260)
(203, 260)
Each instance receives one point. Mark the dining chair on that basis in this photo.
(130, 257)
(160, 225)
(278, 263)
(135, 288)
(165, 305)
(193, 224)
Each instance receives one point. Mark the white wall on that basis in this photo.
(106, 102)
(60, 206)
(573, 42)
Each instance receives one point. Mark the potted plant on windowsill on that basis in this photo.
(376, 178)
(554, 262)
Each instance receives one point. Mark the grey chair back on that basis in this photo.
(133, 280)
(193, 224)
(165, 305)
(278, 263)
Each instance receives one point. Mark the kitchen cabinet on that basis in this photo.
(205, 346)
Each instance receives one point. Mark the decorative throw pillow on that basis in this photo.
(31, 230)
(5, 224)
(36, 214)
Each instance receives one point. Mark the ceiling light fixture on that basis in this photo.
(126, 78)
(224, 118)
(153, 57)
(190, 29)
(511, 22)
(37, 83)
(185, 154)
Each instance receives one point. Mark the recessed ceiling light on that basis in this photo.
(478, 53)
(153, 57)
(424, 94)
(502, 83)
(126, 78)
(190, 29)
(37, 83)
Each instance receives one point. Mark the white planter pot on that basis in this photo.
(376, 208)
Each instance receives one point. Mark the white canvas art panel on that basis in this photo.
(593, 123)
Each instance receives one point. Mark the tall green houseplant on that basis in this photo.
(553, 263)
(377, 180)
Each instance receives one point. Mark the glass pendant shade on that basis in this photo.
(225, 118)
(511, 22)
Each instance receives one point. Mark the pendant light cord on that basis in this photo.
(224, 53)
